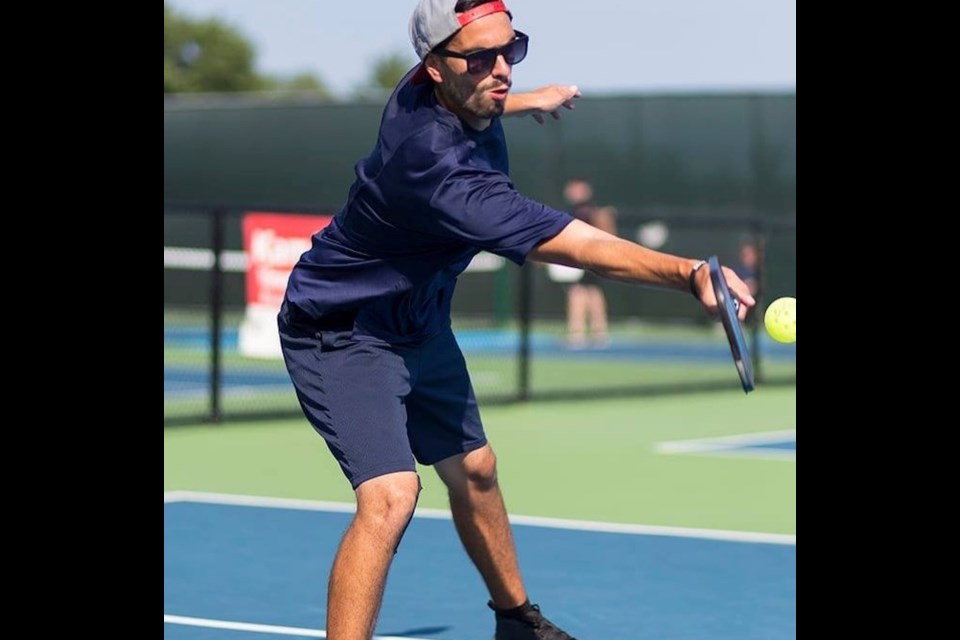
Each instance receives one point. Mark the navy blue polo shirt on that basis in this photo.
(431, 195)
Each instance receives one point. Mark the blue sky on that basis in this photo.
(604, 46)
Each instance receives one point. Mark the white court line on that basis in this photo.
(731, 445)
(756, 454)
(261, 628)
(532, 521)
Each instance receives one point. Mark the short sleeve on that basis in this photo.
(481, 208)
(477, 206)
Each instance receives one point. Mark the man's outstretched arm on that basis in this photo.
(582, 245)
(541, 101)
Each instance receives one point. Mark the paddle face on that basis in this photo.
(728, 306)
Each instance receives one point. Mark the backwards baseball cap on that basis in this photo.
(433, 21)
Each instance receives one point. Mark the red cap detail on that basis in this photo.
(467, 17)
(421, 76)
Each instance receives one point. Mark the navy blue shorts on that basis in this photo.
(381, 407)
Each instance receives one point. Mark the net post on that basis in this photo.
(216, 316)
(525, 310)
(761, 232)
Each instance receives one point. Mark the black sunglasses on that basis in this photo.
(483, 61)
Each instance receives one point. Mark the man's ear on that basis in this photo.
(432, 65)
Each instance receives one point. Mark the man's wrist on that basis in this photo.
(692, 278)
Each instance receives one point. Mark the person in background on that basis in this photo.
(586, 301)
(748, 268)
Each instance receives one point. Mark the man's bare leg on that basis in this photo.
(385, 505)
(481, 520)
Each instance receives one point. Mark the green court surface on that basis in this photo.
(586, 460)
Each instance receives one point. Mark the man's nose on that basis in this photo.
(502, 68)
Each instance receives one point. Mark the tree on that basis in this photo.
(387, 71)
(205, 55)
(299, 83)
(211, 56)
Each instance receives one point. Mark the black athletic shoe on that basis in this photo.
(527, 624)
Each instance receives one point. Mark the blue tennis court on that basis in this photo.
(494, 341)
(237, 568)
(180, 382)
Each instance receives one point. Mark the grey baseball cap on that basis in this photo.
(433, 21)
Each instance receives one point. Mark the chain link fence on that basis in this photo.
(510, 322)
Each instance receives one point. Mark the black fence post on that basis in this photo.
(216, 316)
(759, 233)
(525, 309)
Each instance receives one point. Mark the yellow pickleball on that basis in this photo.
(780, 320)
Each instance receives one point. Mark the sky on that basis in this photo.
(603, 46)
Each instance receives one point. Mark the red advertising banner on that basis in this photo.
(273, 243)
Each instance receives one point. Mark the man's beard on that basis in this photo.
(477, 102)
(483, 106)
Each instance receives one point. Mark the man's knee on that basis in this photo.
(476, 471)
(389, 500)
